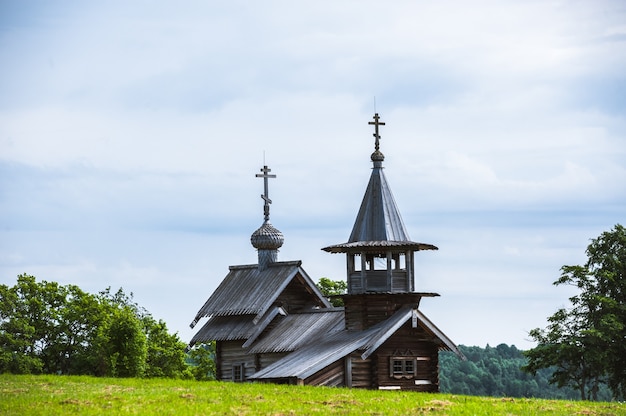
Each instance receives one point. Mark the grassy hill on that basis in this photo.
(81, 395)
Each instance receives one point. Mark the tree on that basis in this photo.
(497, 372)
(165, 351)
(564, 347)
(17, 329)
(31, 314)
(202, 361)
(586, 343)
(134, 344)
(49, 328)
(121, 345)
(78, 317)
(332, 289)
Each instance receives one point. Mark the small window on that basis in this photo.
(409, 367)
(402, 367)
(398, 366)
(238, 372)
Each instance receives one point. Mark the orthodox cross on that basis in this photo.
(376, 123)
(265, 196)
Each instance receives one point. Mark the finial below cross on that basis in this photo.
(265, 196)
(376, 123)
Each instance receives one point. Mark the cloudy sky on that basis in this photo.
(131, 133)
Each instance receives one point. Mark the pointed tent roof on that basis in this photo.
(378, 223)
(378, 218)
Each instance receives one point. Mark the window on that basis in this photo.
(402, 367)
(238, 372)
(356, 262)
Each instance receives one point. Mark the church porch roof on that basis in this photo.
(314, 357)
(297, 330)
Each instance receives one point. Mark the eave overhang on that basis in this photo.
(378, 246)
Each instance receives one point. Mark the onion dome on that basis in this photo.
(267, 237)
(377, 156)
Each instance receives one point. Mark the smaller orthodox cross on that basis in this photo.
(376, 123)
(265, 196)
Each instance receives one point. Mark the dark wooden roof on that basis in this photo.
(230, 328)
(378, 225)
(387, 328)
(314, 357)
(225, 328)
(378, 218)
(375, 246)
(297, 330)
(247, 290)
(333, 346)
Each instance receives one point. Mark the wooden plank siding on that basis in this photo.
(297, 296)
(361, 371)
(230, 353)
(332, 375)
(399, 281)
(265, 360)
(364, 311)
(355, 282)
(412, 343)
(378, 281)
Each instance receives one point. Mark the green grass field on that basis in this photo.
(68, 395)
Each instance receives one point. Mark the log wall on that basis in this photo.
(366, 310)
(265, 360)
(297, 296)
(230, 353)
(412, 343)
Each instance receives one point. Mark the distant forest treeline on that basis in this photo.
(496, 371)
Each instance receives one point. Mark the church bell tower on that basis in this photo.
(379, 253)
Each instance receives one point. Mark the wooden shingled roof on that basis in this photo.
(333, 346)
(379, 218)
(235, 327)
(297, 330)
(314, 357)
(225, 328)
(378, 223)
(256, 290)
(375, 246)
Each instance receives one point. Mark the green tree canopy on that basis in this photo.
(497, 372)
(49, 328)
(333, 288)
(586, 343)
(202, 360)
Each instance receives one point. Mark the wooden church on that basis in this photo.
(271, 323)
